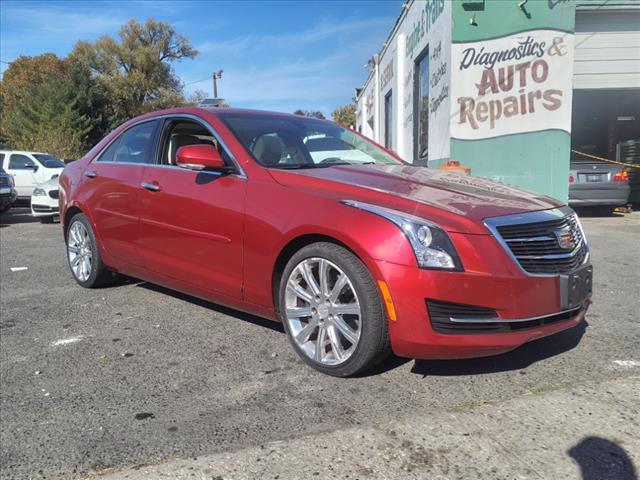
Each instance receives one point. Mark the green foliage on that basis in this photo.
(66, 105)
(49, 119)
(345, 115)
(310, 113)
(135, 70)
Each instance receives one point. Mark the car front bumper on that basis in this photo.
(526, 307)
(8, 195)
(44, 206)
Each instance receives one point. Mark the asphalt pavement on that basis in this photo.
(94, 382)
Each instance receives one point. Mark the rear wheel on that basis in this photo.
(83, 254)
(332, 312)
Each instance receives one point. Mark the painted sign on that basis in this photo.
(387, 74)
(514, 84)
(440, 85)
(429, 14)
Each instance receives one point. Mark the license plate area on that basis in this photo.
(575, 288)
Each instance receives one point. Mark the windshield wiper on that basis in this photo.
(292, 166)
(332, 164)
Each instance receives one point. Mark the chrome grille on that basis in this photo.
(534, 240)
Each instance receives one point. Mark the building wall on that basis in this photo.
(422, 22)
(607, 49)
(524, 139)
(506, 116)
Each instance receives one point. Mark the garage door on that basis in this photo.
(607, 51)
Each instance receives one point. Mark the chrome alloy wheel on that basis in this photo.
(322, 311)
(79, 251)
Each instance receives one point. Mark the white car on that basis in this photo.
(44, 201)
(29, 169)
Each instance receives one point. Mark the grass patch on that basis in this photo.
(547, 388)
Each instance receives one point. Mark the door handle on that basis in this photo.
(90, 174)
(150, 186)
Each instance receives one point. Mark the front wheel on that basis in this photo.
(83, 254)
(332, 311)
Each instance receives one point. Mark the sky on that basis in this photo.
(275, 55)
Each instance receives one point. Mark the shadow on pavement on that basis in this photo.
(517, 359)
(17, 215)
(602, 459)
(597, 212)
(247, 317)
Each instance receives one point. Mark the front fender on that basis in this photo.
(267, 234)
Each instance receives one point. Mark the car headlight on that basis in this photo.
(38, 192)
(431, 244)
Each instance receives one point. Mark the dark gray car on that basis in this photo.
(7, 192)
(597, 184)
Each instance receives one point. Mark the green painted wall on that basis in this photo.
(503, 17)
(537, 161)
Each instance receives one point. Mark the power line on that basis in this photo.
(2, 61)
(198, 81)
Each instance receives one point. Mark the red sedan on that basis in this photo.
(302, 221)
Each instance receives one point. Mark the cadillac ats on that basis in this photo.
(299, 220)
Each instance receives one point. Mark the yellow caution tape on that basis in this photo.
(595, 157)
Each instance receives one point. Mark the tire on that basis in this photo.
(5, 208)
(345, 316)
(46, 219)
(81, 242)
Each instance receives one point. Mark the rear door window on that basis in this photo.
(137, 144)
(107, 154)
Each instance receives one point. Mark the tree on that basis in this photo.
(21, 73)
(196, 98)
(30, 88)
(345, 115)
(24, 71)
(136, 70)
(310, 113)
(49, 119)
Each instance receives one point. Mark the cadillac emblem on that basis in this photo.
(564, 238)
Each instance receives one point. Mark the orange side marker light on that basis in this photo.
(386, 295)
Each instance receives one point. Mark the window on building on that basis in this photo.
(388, 120)
(421, 108)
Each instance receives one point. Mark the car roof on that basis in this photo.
(218, 112)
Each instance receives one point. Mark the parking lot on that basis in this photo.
(97, 380)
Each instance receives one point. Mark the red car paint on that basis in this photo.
(221, 241)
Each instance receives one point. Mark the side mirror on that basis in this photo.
(32, 166)
(201, 157)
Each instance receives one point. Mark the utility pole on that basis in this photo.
(216, 75)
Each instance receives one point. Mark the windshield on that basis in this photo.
(49, 161)
(291, 142)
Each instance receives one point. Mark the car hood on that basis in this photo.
(419, 190)
(51, 183)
